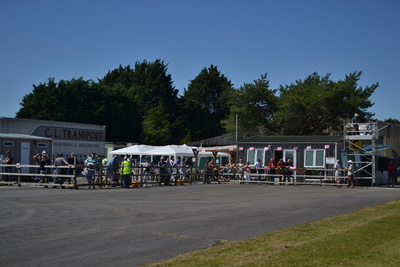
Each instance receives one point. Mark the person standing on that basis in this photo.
(281, 169)
(8, 160)
(147, 167)
(162, 165)
(350, 174)
(271, 169)
(126, 171)
(59, 163)
(104, 161)
(247, 171)
(288, 170)
(90, 164)
(259, 169)
(207, 172)
(112, 171)
(391, 168)
(337, 168)
(42, 160)
(72, 161)
(354, 122)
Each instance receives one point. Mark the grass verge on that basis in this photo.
(369, 237)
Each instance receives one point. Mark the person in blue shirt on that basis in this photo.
(91, 164)
(112, 171)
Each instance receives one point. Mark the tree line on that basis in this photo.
(141, 104)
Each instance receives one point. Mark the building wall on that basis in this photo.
(276, 151)
(389, 135)
(23, 149)
(81, 139)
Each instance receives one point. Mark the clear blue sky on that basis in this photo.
(288, 39)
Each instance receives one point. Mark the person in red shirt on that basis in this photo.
(281, 165)
(271, 168)
(391, 170)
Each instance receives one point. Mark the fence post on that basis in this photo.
(100, 176)
(19, 174)
(74, 178)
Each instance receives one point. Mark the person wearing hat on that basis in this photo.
(354, 123)
(350, 174)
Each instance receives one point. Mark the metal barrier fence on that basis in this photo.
(101, 176)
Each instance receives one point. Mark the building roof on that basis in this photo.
(294, 139)
(23, 136)
(49, 121)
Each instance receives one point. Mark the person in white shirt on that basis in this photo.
(350, 174)
(337, 167)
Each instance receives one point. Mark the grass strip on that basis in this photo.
(369, 237)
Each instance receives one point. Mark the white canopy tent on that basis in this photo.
(169, 150)
(181, 150)
(172, 150)
(133, 150)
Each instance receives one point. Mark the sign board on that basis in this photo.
(355, 145)
(330, 160)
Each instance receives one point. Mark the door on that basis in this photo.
(25, 152)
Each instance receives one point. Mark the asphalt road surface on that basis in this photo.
(132, 227)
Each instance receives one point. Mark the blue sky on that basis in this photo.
(288, 39)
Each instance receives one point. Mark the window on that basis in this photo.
(41, 145)
(290, 154)
(314, 158)
(8, 144)
(253, 155)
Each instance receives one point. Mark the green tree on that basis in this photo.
(156, 127)
(42, 103)
(71, 101)
(120, 75)
(119, 114)
(254, 104)
(207, 103)
(153, 86)
(319, 105)
(147, 86)
(392, 120)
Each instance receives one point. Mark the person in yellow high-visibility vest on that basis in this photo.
(126, 170)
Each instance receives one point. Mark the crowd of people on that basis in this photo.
(245, 171)
(119, 171)
(122, 171)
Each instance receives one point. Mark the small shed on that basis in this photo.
(23, 147)
(304, 151)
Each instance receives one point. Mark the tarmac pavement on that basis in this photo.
(136, 226)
